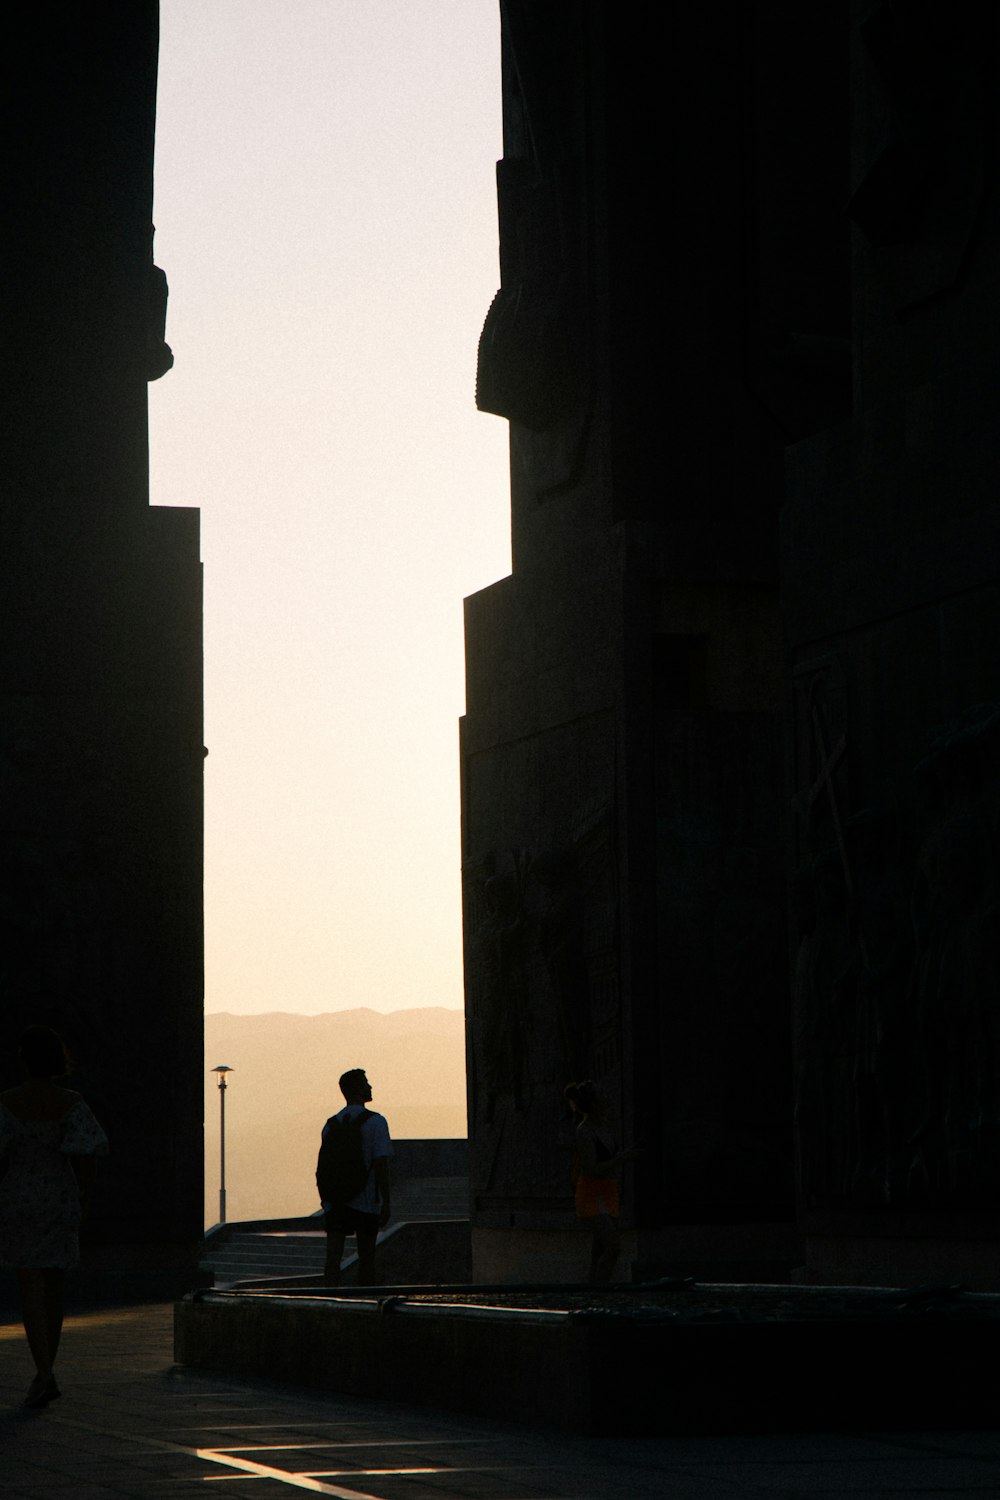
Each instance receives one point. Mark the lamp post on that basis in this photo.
(222, 1070)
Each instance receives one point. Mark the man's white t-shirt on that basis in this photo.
(376, 1145)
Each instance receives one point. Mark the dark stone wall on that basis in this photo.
(892, 586)
(100, 622)
(442, 1157)
(674, 310)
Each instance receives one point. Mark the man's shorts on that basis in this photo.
(346, 1220)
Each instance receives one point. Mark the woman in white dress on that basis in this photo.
(49, 1142)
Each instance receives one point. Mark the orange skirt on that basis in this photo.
(595, 1196)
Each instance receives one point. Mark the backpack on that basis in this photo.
(341, 1173)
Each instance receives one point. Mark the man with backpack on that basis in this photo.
(352, 1176)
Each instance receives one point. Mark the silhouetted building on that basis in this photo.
(730, 771)
(730, 791)
(100, 626)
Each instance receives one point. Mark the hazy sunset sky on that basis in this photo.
(326, 216)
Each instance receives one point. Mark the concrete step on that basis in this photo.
(435, 1251)
(254, 1257)
(266, 1251)
(247, 1255)
(262, 1251)
(281, 1244)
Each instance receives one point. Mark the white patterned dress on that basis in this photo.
(39, 1196)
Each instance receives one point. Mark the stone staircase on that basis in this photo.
(297, 1247)
(246, 1254)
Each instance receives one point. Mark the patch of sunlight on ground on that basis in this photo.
(102, 1319)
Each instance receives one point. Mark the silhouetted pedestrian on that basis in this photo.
(49, 1140)
(597, 1163)
(352, 1175)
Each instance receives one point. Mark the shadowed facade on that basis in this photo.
(101, 747)
(623, 824)
(730, 752)
(730, 778)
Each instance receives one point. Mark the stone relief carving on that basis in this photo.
(823, 1026)
(560, 937)
(919, 198)
(896, 972)
(500, 985)
(159, 355)
(542, 931)
(955, 910)
(747, 937)
(882, 1087)
(533, 363)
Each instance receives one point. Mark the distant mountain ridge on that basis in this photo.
(284, 1086)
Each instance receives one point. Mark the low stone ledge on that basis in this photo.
(498, 1365)
(601, 1372)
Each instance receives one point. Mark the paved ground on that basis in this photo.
(130, 1424)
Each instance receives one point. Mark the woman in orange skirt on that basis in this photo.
(597, 1164)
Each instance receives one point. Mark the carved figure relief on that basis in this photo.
(882, 1073)
(896, 972)
(824, 1021)
(533, 364)
(543, 934)
(820, 760)
(955, 908)
(919, 198)
(500, 986)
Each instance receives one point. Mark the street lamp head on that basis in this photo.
(222, 1070)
